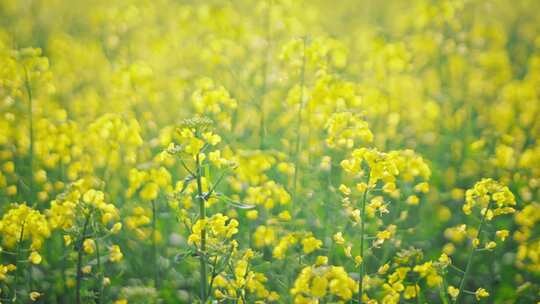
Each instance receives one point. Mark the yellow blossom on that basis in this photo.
(35, 258)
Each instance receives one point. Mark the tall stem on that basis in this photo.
(17, 251)
(299, 122)
(265, 77)
(31, 137)
(362, 237)
(79, 260)
(471, 255)
(202, 217)
(99, 274)
(154, 246)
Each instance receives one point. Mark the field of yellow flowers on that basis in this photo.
(271, 151)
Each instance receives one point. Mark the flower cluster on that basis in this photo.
(486, 192)
(320, 281)
(219, 230)
(23, 223)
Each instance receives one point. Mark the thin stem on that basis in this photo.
(265, 76)
(443, 290)
(362, 231)
(63, 268)
(213, 189)
(299, 121)
(457, 269)
(186, 168)
(417, 292)
(213, 275)
(154, 246)
(202, 217)
(31, 136)
(63, 245)
(99, 274)
(19, 244)
(471, 255)
(79, 260)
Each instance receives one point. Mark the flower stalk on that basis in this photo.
(17, 252)
(362, 237)
(79, 259)
(154, 246)
(471, 254)
(202, 217)
(28, 88)
(299, 121)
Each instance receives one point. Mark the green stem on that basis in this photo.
(79, 260)
(471, 255)
(299, 122)
(63, 269)
(362, 231)
(154, 246)
(202, 217)
(17, 252)
(99, 274)
(443, 290)
(265, 77)
(31, 136)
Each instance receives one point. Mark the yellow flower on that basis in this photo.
(19, 218)
(34, 295)
(481, 293)
(212, 139)
(383, 269)
(4, 269)
(252, 214)
(338, 238)
(86, 269)
(344, 189)
(345, 128)
(321, 260)
(264, 236)
(318, 286)
(411, 291)
(362, 187)
(358, 260)
(422, 187)
(218, 227)
(311, 244)
(9, 167)
(35, 258)
(89, 246)
(413, 200)
(491, 245)
(11, 190)
(40, 176)
(453, 292)
(149, 192)
(116, 228)
(445, 260)
(115, 254)
(326, 163)
(489, 192)
(67, 240)
(284, 216)
(502, 234)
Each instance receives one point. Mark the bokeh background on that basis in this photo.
(91, 93)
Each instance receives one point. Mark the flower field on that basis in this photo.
(272, 151)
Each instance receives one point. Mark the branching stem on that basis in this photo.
(362, 232)
(79, 259)
(299, 122)
(471, 254)
(202, 217)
